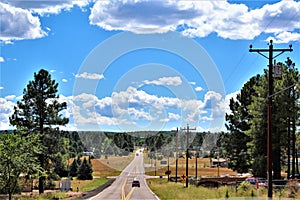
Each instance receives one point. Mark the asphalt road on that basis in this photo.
(122, 189)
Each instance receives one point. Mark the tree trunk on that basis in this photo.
(41, 178)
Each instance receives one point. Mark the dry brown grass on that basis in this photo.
(203, 168)
(112, 166)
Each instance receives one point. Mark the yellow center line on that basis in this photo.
(129, 194)
(123, 190)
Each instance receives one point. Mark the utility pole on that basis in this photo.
(196, 174)
(270, 94)
(176, 153)
(187, 154)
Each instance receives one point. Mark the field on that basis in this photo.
(203, 168)
(112, 166)
(170, 190)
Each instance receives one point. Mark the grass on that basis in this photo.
(112, 166)
(202, 167)
(170, 190)
(87, 185)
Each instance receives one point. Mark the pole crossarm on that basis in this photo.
(259, 51)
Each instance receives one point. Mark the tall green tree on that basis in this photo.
(236, 142)
(249, 116)
(17, 157)
(39, 112)
(85, 170)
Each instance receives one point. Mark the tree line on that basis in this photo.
(246, 141)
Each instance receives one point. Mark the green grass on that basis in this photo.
(170, 190)
(89, 185)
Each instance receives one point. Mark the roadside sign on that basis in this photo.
(183, 178)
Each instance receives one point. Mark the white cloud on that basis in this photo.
(1, 87)
(64, 80)
(284, 37)
(197, 18)
(6, 110)
(130, 107)
(1, 59)
(198, 89)
(93, 76)
(171, 117)
(47, 7)
(19, 19)
(167, 81)
(10, 97)
(19, 24)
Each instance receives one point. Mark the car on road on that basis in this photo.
(257, 181)
(135, 183)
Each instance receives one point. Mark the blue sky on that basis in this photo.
(141, 65)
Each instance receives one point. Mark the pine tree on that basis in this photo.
(74, 168)
(235, 143)
(39, 112)
(85, 170)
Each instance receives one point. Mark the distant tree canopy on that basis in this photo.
(39, 112)
(246, 143)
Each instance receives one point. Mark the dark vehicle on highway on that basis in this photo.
(135, 183)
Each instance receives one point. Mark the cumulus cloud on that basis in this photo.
(197, 18)
(1, 59)
(284, 37)
(129, 107)
(93, 76)
(6, 110)
(20, 19)
(47, 7)
(167, 81)
(19, 24)
(133, 106)
(64, 80)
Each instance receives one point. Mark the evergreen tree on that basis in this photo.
(235, 143)
(74, 168)
(85, 170)
(249, 117)
(39, 112)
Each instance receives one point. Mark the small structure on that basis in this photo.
(65, 185)
(221, 162)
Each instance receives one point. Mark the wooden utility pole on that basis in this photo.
(187, 153)
(270, 94)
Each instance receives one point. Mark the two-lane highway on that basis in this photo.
(122, 188)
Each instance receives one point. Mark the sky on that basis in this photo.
(141, 65)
